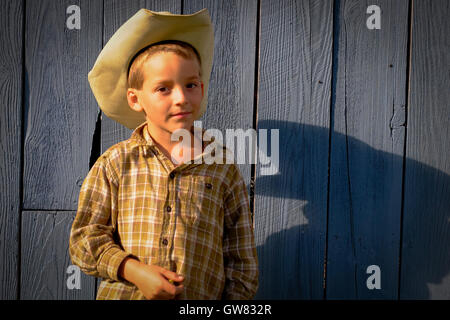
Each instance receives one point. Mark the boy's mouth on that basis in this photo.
(181, 114)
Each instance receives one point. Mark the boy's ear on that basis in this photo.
(203, 89)
(133, 100)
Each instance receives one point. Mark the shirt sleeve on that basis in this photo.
(240, 257)
(91, 245)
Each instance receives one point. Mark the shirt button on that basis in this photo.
(168, 208)
(172, 175)
(165, 242)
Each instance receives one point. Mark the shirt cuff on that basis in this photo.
(110, 262)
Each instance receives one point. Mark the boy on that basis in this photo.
(152, 224)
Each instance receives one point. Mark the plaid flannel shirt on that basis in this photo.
(193, 219)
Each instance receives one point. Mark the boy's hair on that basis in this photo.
(180, 48)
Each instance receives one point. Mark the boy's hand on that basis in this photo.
(153, 281)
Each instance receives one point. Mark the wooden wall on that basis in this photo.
(363, 118)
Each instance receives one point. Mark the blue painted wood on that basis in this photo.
(60, 113)
(45, 259)
(425, 260)
(60, 118)
(367, 135)
(11, 55)
(294, 93)
(367, 142)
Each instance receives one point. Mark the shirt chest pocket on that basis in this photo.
(201, 202)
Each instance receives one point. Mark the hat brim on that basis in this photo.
(108, 77)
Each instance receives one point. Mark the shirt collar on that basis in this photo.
(141, 137)
(138, 137)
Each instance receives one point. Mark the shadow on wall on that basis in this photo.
(363, 225)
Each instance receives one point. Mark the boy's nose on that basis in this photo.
(179, 96)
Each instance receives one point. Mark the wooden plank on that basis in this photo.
(116, 13)
(61, 111)
(367, 142)
(45, 259)
(232, 83)
(11, 56)
(294, 97)
(425, 272)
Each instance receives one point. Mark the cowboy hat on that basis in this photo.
(108, 77)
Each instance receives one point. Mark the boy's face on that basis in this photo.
(171, 93)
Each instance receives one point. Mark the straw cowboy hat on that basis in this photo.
(108, 77)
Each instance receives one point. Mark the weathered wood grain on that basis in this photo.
(60, 110)
(294, 97)
(367, 142)
(45, 258)
(116, 13)
(11, 55)
(295, 82)
(425, 261)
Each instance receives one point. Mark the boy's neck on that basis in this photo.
(164, 142)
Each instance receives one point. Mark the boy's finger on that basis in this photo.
(179, 289)
(173, 290)
(177, 283)
(172, 276)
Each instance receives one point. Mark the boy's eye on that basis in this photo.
(162, 89)
(191, 85)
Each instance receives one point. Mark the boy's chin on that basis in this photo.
(185, 126)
